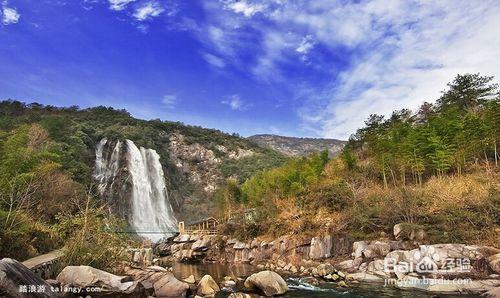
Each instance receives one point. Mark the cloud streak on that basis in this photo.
(9, 15)
(119, 4)
(148, 10)
(236, 103)
(169, 101)
(396, 53)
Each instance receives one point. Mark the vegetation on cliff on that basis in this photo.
(44, 207)
(436, 169)
(46, 162)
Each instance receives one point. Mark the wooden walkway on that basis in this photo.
(40, 260)
(42, 265)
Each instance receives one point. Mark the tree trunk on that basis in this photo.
(385, 179)
(393, 177)
(496, 154)
(486, 159)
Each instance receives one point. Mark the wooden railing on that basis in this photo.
(187, 230)
(201, 232)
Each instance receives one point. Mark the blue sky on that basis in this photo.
(302, 68)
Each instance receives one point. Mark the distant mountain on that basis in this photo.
(293, 146)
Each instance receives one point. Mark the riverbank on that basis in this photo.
(402, 263)
(150, 275)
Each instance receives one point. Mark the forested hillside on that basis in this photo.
(436, 170)
(47, 156)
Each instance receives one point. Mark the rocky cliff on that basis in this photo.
(292, 146)
(194, 160)
(193, 168)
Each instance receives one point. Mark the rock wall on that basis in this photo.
(200, 165)
(292, 146)
(195, 248)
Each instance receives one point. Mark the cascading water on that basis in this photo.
(143, 185)
(151, 210)
(106, 169)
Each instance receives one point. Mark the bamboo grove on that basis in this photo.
(462, 129)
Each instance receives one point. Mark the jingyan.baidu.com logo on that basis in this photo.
(426, 260)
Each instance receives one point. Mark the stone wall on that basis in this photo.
(195, 248)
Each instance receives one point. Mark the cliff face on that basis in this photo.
(194, 160)
(111, 176)
(201, 165)
(292, 146)
(192, 169)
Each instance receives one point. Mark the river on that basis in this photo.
(298, 288)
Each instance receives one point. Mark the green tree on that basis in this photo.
(468, 92)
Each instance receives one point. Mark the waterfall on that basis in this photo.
(149, 211)
(106, 169)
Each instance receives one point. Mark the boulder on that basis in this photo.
(342, 284)
(494, 262)
(163, 283)
(86, 276)
(229, 283)
(14, 276)
(142, 257)
(325, 269)
(163, 249)
(53, 283)
(168, 286)
(376, 249)
(190, 279)
(364, 277)
(181, 238)
(202, 244)
(405, 231)
(321, 247)
(377, 267)
(397, 230)
(435, 286)
(255, 243)
(358, 247)
(207, 287)
(350, 265)
(440, 253)
(268, 282)
(231, 241)
(239, 245)
(492, 293)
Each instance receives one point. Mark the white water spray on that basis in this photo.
(151, 214)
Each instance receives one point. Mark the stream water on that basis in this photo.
(298, 288)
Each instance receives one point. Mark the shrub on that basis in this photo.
(93, 238)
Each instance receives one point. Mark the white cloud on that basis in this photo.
(10, 15)
(394, 54)
(416, 64)
(148, 10)
(235, 103)
(305, 45)
(119, 4)
(214, 60)
(245, 8)
(169, 101)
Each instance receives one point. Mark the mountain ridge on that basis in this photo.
(297, 146)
